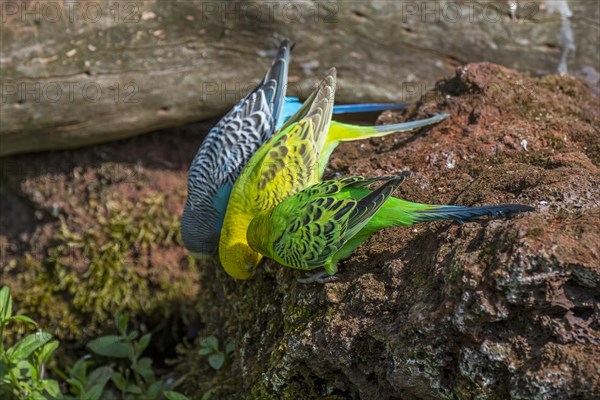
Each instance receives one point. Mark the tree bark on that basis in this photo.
(81, 73)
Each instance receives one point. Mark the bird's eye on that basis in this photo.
(250, 266)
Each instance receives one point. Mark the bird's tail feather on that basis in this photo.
(293, 104)
(339, 132)
(367, 107)
(403, 213)
(277, 75)
(464, 214)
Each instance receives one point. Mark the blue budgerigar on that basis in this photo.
(226, 149)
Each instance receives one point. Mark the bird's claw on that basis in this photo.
(319, 277)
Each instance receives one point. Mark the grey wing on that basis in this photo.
(235, 138)
(229, 146)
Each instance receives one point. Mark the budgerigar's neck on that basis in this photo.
(237, 218)
(234, 252)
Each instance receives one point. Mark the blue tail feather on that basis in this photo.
(293, 104)
(465, 214)
(367, 107)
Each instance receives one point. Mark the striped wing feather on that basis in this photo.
(321, 219)
(228, 146)
(311, 234)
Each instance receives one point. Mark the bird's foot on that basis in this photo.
(320, 277)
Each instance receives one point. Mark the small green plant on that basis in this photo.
(131, 374)
(22, 366)
(88, 385)
(210, 346)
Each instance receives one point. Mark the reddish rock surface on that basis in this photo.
(497, 309)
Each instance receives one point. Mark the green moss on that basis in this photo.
(538, 160)
(300, 386)
(571, 87)
(456, 272)
(487, 253)
(297, 315)
(95, 269)
(35, 292)
(535, 232)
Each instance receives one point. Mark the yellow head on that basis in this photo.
(235, 255)
(239, 260)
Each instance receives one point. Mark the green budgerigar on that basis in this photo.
(326, 222)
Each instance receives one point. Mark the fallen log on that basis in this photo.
(77, 73)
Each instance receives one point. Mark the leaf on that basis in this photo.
(46, 351)
(141, 345)
(121, 322)
(171, 395)
(79, 370)
(76, 386)
(207, 394)
(99, 376)
(51, 387)
(144, 368)
(205, 350)
(210, 342)
(108, 395)
(23, 370)
(5, 304)
(216, 360)
(229, 346)
(23, 318)
(155, 389)
(36, 396)
(109, 346)
(132, 335)
(3, 372)
(94, 393)
(28, 345)
(133, 388)
(118, 380)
